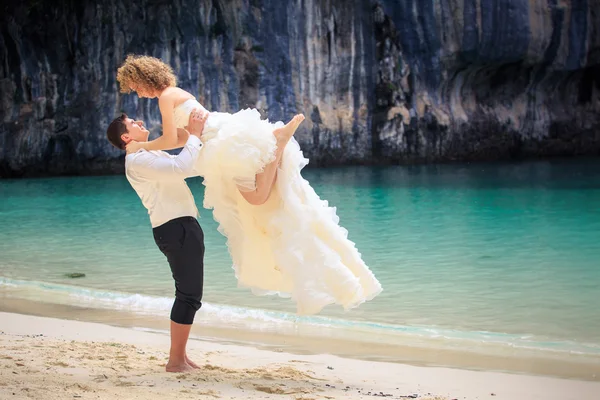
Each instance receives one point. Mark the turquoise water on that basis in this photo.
(506, 253)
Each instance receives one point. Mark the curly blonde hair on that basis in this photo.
(146, 71)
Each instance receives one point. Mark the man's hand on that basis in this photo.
(196, 123)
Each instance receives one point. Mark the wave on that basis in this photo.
(220, 315)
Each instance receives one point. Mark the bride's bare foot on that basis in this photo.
(191, 363)
(285, 133)
(181, 367)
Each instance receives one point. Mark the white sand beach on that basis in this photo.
(48, 358)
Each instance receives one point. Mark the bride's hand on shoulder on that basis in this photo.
(133, 147)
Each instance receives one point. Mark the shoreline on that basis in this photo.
(60, 359)
(425, 354)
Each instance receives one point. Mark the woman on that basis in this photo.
(283, 239)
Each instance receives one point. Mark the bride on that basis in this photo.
(282, 238)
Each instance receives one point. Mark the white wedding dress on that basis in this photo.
(293, 244)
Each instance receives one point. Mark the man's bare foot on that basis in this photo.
(191, 363)
(181, 367)
(285, 133)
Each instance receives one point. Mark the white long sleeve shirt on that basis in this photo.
(159, 180)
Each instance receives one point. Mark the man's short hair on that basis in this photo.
(115, 130)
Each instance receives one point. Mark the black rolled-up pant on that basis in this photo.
(182, 241)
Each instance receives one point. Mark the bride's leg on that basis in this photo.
(266, 179)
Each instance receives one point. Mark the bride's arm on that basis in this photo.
(182, 137)
(168, 140)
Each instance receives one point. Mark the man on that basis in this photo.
(159, 180)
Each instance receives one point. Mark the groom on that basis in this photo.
(159, 180)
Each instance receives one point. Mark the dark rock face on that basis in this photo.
(388, 81)
(487, 79)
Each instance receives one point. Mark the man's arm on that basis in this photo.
(151, 166)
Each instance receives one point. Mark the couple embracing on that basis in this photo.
(283, 239)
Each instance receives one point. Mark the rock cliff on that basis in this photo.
(388, 81)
